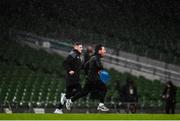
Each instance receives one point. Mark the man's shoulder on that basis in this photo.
(93, 58)
(73, 54)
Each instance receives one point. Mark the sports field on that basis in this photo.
(25, 116)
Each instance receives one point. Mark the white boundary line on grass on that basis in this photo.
(89, 120)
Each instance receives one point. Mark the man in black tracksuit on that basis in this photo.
(93, 80)
(72, 64)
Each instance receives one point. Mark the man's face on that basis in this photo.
(90, 50)
(102, 52)
(168, 85)
(79, 48)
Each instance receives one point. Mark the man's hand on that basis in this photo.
(163, 96)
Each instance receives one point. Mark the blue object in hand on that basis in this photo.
(104, 76)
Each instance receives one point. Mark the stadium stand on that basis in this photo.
(34, 78)
(29, 75)
(145, 36)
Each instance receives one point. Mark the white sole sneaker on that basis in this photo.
(102, 108)
(63, 98)
(58, 111)
(68, 104)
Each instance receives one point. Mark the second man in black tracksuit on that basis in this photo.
(93, 80)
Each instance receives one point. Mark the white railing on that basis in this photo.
(123, 62)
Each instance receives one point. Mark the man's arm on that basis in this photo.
(99, 64)
(67, 64)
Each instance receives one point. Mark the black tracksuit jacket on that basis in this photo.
(72, 62)
(95, 66)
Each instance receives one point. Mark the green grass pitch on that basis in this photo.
(24, 116)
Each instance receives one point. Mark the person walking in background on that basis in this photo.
(169, 96)
(72, 65)
(129, 96)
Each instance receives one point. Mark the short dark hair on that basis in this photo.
(97, 48)
(170, 83)
(89, 49)
(77, 43)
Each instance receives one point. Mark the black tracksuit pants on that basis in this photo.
(91, 87)
(71, 91)
(170, 107)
